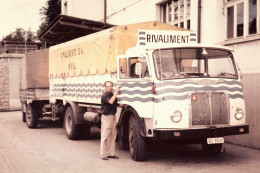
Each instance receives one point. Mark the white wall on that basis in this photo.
(14, 78)
(212, 21)
(91, 10)
(121, 12)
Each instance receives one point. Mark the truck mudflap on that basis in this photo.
(189, 134)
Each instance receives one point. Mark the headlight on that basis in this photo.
(239, 114)
(176, 117)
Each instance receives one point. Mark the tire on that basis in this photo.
(31, 116)
(85, 131)
(23, 113)
(137, 144)
(72, 130)
(24, 118)
(211, 148)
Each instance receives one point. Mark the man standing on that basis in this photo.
(108, 122)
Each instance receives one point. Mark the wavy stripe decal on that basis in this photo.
(141, 91)
(236, 96)
(125, 91)
(183, 82)
(179, 98)
(135, 99)
(135, 84)
(201, 88)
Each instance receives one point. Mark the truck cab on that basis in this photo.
(189, 93)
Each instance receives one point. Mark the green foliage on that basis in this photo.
(19, 36)
(49, 12)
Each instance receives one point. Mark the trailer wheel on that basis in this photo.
(211, 148)
(137, 144)
(23, 111)
(72, 130)
(31, 116)
(24, 118)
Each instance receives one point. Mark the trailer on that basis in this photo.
(34, 89)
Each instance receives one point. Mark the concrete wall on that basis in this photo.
(92, 10)
(4, 84)
(10, 81)
(247, 56)
(122, 12)
(119, 12)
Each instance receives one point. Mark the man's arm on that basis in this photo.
(113, 98)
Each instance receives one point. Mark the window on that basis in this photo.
(230, 22)
(252, 16)
(193, 63)
(242, 17)
(176, 12)
(128, 67)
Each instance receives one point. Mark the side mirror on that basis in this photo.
(138, 69)
(239, 71)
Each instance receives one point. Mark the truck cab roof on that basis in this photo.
(140, 51)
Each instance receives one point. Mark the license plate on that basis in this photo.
(219, 140)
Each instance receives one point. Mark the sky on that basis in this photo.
(19, 14)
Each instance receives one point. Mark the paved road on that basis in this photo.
(47, 149)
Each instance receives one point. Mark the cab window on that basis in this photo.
(128, 67)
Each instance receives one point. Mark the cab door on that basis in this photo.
(136, 84)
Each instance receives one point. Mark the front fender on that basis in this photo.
(124, 120)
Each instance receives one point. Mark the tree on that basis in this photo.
(30, 36)
(49, 12)
(18, 36)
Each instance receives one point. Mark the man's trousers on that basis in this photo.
(108, 135)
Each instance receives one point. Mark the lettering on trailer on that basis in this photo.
(164, 37)
(72, 52)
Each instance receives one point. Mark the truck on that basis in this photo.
(173, 88)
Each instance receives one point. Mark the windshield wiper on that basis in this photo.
(226, 74)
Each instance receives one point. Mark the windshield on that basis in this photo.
(193, 63)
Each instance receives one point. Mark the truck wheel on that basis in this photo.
(31, 116)
(72, 130)
(137, 144)
(85, 131)
(211, 148)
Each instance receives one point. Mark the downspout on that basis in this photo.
(199, 21)
(105, 11)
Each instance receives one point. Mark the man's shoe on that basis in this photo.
(104, 158)
(113, 157)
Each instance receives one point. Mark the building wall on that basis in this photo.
(10, 82)
(92, 10)
(4, 84)
(246, 54)
(122, 12)
(212, 21)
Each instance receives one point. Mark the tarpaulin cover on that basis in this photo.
(97, 53)
(35, 70)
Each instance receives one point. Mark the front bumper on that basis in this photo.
(190, 134)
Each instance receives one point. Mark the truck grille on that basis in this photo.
(209, 108)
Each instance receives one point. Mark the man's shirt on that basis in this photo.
(106, 107)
